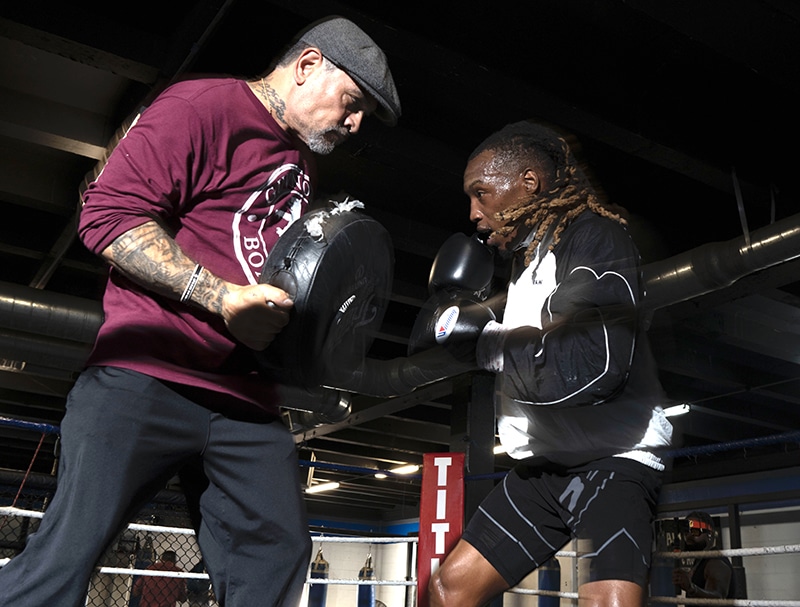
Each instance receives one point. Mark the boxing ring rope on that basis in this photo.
(334, 539)
(40, 427)
(733, 552)
(784, 437)
(761, 551)
(35, 514)
(730, 552)
(679, 600)
(46, 429)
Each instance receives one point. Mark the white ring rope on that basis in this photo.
(322, 539)
(11, 511)
(682, 600)
(151, 573)
(336, 539)
(344, 582)
(765, 550)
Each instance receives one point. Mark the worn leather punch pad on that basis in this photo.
(338, 266)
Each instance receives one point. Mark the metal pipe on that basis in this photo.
(39, 312)
(43, 351)
(717, 265)
(707, 268)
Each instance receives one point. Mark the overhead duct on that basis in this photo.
(30, 310)
(42, 351)
(43, 326)
(717, 265)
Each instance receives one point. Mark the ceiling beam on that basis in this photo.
(88, 53)
(372, 412)
(771, 53)
(511, 96)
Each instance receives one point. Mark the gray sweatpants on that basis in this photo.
(123, 436)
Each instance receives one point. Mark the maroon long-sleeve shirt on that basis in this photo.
(208, 161)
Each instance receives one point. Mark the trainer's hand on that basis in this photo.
(255, 314)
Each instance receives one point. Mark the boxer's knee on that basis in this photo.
(465, 579)
(439, 594)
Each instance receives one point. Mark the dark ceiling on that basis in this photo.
(687, 112)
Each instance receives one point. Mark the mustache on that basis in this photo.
(342, 131)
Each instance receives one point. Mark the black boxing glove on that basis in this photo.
(459, 326)
(463, 263)
(453, 322)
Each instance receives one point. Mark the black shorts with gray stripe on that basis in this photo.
(608, 506)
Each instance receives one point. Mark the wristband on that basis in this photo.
(187, 292)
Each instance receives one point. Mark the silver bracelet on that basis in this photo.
(187, 292)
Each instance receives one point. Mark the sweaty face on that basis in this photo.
(492, 188)
(331, 108)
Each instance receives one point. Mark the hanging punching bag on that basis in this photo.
(318, 593)
(550, 579)
(366, 592)
(668, 539)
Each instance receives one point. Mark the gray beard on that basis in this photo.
(319, 144)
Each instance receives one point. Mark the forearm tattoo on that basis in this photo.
(149, 256)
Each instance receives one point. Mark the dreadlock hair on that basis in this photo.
(566, 191)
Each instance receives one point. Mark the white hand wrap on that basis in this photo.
(489, 350)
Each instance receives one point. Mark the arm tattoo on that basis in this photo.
(149, 256)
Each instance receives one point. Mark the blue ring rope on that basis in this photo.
(786, 437)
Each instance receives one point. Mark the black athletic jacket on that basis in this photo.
(578, 380)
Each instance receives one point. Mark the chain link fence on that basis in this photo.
(121, 579)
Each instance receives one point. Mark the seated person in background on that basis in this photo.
(161, 591)
(708, 578)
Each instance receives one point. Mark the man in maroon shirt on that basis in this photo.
(185, 211)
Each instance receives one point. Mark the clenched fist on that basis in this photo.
(255, 314)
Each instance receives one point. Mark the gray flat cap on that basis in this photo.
(346, 45)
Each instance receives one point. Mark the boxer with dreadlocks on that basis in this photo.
(570, 193)
(578, 399)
